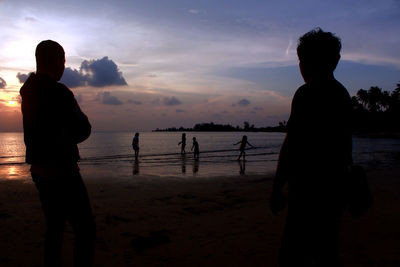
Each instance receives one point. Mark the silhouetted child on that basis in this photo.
(196, 151)
(242, 147)
(183, 144)
(135, 145)
(314, 157)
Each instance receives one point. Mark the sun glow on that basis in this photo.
(12, 103)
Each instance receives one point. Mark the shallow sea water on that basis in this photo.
(109, 154)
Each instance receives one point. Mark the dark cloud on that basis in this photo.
(180, 111)
(136, 102)
(22, 77)
(74, 78)
(243, 102)
(171, 101)
(3, 83)
(258, 108)
(102, 72)
(156, 101)
(108, 99)
(96, 73)
(217, 115)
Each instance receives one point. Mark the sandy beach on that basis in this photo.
(175, 221)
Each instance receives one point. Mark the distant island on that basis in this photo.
(375, 113)
(213, 127)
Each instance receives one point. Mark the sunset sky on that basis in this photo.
(175, 63)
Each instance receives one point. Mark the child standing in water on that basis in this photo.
(135, 145)
(242, 147)
(183, 144)
(196, 151)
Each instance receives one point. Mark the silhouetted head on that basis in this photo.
(136, 134)
(183, 135)
(194, 138)
(50, 59)
(244, 138)
(319, 53)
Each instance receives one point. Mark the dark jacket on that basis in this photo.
(319, 127)
(318, 146)
(53, 122)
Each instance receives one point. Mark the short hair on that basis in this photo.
(319, 49)
(48, 52)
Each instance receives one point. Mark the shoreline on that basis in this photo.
(378, 135)
(175, 221)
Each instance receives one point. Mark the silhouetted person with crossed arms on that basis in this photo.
(53, 126)
(314, 157)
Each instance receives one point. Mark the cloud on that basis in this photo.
(3, 83)
(96, 73)
(74, 78)
(217, 115)
(171, 101)
(196, 11)
(108, 99)
(243, 102)
(136, 102)
(31, 19)
(102, 72)
(180, 111)
(22, 77)
(258, 108)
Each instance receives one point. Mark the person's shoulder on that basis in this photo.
(62, 87)
(341, 89)
(64, 92)
(301, 92)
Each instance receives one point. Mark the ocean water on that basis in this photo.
(109, 154)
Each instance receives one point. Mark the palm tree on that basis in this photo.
(385, 100)
(395, 100)
(375, 96)
(363, 97)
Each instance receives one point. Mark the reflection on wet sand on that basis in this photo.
(242, 166)
(15, 172)
(136, 167)
(183, 163)
(196, 164)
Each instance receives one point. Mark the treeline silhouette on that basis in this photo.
(213, 127)
(376, 111)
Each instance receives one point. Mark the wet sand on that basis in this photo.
(175, 221)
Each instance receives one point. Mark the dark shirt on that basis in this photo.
(53, 122)
(318, 145)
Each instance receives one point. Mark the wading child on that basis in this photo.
(242, 147)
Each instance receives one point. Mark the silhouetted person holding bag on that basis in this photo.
(53, 126)
(315, 157)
